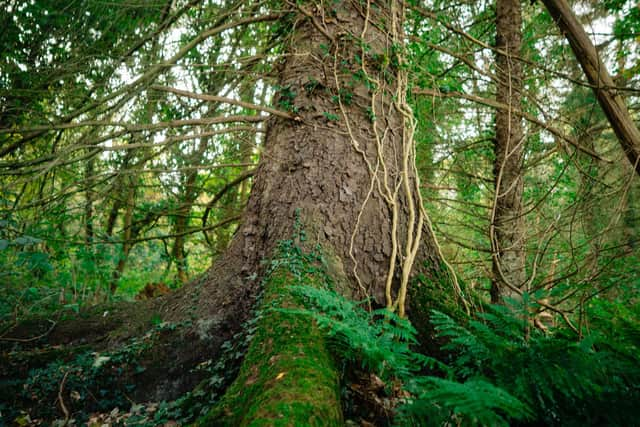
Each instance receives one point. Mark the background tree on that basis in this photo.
(507, 222)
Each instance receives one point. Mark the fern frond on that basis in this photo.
(475, 402)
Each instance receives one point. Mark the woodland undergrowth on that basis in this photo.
(498, 370)
(494, 369)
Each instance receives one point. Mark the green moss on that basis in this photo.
(288, 377)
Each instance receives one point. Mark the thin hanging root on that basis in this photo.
(416, 218)
(391, 187)
(409, 155)
(383, 188)
(394, 256)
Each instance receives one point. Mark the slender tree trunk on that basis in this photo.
(112, 217)
(127, 235)
(88, 204)
(507, 222)
(118, 192)
(603, 85)
(178, 253)
(333, 165)
(188, 197)
(591, 203)
(631, 219)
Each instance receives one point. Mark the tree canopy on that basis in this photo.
(439, 198)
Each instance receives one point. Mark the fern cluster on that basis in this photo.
(378, 340)
(499, 371)
(548, 380)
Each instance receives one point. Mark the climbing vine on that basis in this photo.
(382, 67)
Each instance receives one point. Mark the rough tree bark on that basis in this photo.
(327, 165)
(603, 85)
(507, 222)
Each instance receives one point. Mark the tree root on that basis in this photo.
(287, 375)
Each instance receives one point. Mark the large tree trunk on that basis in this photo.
(343, 168)
(603, 85)
(507, 222)
(333, 164)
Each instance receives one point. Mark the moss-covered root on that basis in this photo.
(287, 377)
